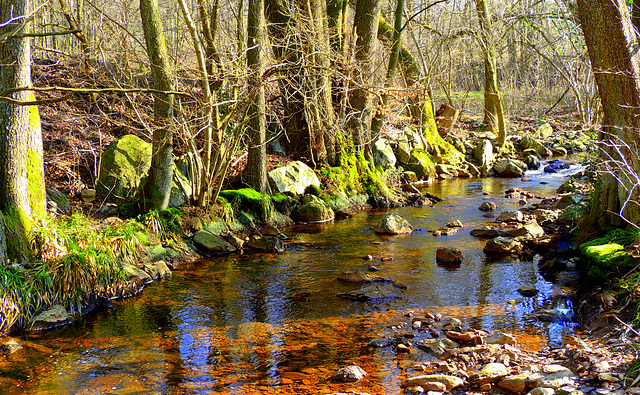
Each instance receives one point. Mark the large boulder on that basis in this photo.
(544, 131)
(393, 224)
(211, 242)
(421, 163)
(57, 315)
(528, 142)
(529, 230)
(383, 155)
(124, 169)
(294, 178)
(483, 155)
(181, 189)
(313, 209)
(403, 151)
(510, 168)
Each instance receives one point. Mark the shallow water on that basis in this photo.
(271, 323)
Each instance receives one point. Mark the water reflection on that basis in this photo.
(272, 322)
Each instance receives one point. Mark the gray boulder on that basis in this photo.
(57, 315)
(383, 155)
(510, 168)
(510, 216)
(313, 209)
(483, 155)
(528, 142)
(403, 151)
(124, 169)
(503, 245)
(294, 178)
(529, 230)
(211, 242)
(393, 224)
(135, 273)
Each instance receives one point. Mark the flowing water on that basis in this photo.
(272, 323)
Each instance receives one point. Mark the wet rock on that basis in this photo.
(488, 206)
(532, 161)
(454, 224)
(56, 315)
(409, 176)
(500, 338)
(10, 346)
(530, 230)
(313, 209)
(393, 224)
(510, 216)
(211, 242)
(514, 383)
(157, 270)
(349, 374)
(449, 254)
(382, 343)
(370, 293)
(403, 349)
(450, 382)
(293, 178)
(488, 232)
(436, 347)
(541, 391)
(490, 373)
(445, 231)
(528, 291)
(510, 168)
(555, 166)
(134, 272)
(403, 151)
(465, 337)
(266, 243)
(503, 245)
(551, 376)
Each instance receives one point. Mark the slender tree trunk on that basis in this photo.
(161, 171)
(611, 40)
(366, 22)
(256, 170)
(378, 120)
(22, 191)
(493, 108)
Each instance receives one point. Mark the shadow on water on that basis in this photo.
(256, 323)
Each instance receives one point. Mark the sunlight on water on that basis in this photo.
(272, 323)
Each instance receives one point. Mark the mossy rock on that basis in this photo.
(313, 209)
(606, 259)
(250, 201)
(159, 253)
(422, 164)
(124, 169)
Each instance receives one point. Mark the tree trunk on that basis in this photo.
(161, 171)
(22, 191)
(611, 40)
(366, 21)
(378, 119)
(256, 170)
(493, 108)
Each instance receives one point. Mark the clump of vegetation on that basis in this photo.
(607, 256)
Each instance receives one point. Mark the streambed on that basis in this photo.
(272, 323)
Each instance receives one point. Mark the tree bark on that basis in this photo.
(161, 171)
(366, 22)
(256, 170)
(22, 190)
(493, 108)
(610, 40)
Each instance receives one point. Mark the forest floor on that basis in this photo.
(76, 132)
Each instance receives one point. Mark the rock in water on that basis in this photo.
(313, 209)
(503, 245)
(449, 254)
(349, 374)
(510, 168)
(393, 224)
(488, 206)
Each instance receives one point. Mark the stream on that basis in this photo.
(263, 323)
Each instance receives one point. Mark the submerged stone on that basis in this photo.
(371, 293)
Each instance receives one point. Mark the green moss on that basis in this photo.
(249, 199)
(606, 260)
(280, 198)
(34, 114)
(17, 227)
(35, 186)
